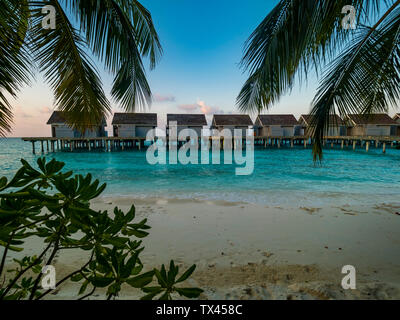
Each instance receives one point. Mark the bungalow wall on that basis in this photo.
(332, 131)
(370, 130)
(281, 131)
(64, 131)
(131, 130)
(232, 128)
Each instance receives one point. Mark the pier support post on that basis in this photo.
(384, 147)
(279, 143)
(342, 146)
(42, 144)
(291, 143)
(367, 146)
(33, 147)
(305, 143)
(47, 142)
(354, 144)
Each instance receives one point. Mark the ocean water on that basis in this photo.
(281, 177)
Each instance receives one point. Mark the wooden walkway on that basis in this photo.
(117, 143)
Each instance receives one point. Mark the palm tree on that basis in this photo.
(362, 72)
(119, 33)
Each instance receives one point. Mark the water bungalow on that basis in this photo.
(59, 128)
(370, 125)
(232, 121)
(132, 125)
(130, 130)
(336, 128)
(195, 122)
(281, 125)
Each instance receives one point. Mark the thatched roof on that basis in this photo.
(187, 119)
(278, 120)
(334, 120)
(148, 119)
(377, 119)
(396, 117)
(232, 120)
(59, 117)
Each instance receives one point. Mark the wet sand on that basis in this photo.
(250, 251)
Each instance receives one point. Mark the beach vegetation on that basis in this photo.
(55, 206)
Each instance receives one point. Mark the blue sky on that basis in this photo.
(203, 44)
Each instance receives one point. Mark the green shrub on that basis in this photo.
(55, 206)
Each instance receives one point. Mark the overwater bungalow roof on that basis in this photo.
(377, 119)
(334, 120)
(187, 119)
(149, 119)
(59, 117)
(232, 120)
(278, 120)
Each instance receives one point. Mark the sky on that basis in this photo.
(198, 73)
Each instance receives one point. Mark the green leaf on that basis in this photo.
(150, 296)
(83, 287)
(141, 280)
(189, 292)
(187, 274)
(101, 282)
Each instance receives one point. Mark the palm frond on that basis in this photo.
(73, 78)
(14, 59)
(120, 33)
(365, 79)
(297, 36)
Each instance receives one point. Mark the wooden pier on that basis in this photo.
(120, 144)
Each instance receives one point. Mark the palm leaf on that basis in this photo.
(365, 79)
(72, 76)
(14, 59)
(120, 33)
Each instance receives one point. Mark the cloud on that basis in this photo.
(201, 107)
(163, 98)
(45, 110)
(208, 110)
(21, 114)
(188, 107)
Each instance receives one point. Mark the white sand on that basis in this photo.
(248, 251)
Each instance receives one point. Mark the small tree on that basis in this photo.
(55, 206)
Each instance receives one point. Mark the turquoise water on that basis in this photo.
(281, 177)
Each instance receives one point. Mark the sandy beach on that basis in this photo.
(249, 251)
